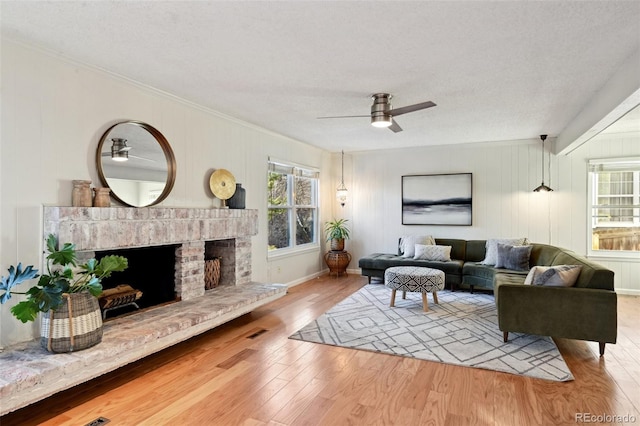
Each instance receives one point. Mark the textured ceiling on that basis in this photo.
(496, 70)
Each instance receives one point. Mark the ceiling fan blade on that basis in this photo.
(411, 108)
(141, 158)
(347, 116)
(394, 126)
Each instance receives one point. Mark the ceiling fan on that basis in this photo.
(382, 113)
(120, 151)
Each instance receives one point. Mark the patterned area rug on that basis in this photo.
(462, 330)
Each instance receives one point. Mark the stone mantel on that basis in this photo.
(105, 228)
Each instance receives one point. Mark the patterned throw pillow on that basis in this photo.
(408, 243)
(432, 252)
(513, 257)
(554, 276)
(491, 256)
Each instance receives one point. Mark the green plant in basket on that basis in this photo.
(64, 275)
(337, 229)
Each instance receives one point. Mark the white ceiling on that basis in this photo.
(497, 70)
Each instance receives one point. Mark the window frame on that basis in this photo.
(293, 171)
(594, 166)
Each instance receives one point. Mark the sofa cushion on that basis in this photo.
(458, 247)
(478, 270)
(554, 276)
(510, 278)
(491, 256)
(513, 257)
(543, 254)
(429, 252)
(383, 261)
(592, 274)
(476, 250)
(408, 243)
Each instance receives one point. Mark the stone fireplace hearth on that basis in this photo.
(28, 373)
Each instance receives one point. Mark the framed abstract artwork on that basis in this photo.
(444, 199)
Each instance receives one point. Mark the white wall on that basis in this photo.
(53, 114)
(504, 174)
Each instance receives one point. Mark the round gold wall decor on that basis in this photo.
(222, 184)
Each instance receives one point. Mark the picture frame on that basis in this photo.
(438, 199)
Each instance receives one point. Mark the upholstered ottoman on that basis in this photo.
(414, 279)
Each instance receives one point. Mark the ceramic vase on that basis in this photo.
(237, 201)
(101, 198)
(81, 195)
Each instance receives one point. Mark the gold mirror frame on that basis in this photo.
(166, 149)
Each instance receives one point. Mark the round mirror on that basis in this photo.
(136, 162)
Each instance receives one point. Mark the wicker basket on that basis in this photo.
(211, 273)
(75, 325)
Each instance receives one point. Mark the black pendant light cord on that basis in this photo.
(342, 172)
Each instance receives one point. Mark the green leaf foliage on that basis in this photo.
(110, 264)
(337, 229)
(16, 276)
(64, 256)
(66, 277)
(25, 311)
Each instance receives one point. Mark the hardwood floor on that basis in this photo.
(247, 372)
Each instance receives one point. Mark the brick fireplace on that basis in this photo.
(29, 373)
(224, 233)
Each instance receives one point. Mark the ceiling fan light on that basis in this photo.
(381, 121)
(120, 156)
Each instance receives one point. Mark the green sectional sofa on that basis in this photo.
(585, 311)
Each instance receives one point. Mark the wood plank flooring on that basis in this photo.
(247, 372)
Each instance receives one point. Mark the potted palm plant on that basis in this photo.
(337, 232)
(66, 294)
(337, 259)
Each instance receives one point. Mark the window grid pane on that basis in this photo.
(278, 191)
(293, 207)
(279, 225)
(615, 212)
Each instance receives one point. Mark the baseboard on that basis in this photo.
(306, 278)
(628, 291)
(318, 274)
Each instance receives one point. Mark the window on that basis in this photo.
(293, 206)
(614, 187)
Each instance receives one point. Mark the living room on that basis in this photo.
(55, 109)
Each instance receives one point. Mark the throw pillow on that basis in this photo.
(513, 257)
(491, 256)
(554, 276)
(432, 252)
(408, 243)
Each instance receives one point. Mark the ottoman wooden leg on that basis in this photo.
(425, 304)
(435, 297)
(393, 298)
(404, 294)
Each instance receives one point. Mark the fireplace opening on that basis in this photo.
(223, 252)
(151, 271)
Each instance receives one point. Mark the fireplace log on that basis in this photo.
(117, 297)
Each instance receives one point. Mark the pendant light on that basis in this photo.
(341, 192)
(543, 187)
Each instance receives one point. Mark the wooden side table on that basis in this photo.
(337, 261)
